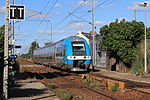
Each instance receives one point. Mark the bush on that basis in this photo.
(87, 81)
(63, 95)
(138, 64)
(114, 88)
(52, 86)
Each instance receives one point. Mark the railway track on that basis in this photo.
(73, 83)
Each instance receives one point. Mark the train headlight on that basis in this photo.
(89, 57)
(70, 57)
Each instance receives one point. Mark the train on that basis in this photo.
(71, 53)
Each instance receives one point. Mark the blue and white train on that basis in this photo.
(72, 53)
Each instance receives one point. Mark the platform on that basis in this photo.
(31, 90)
(125, 76)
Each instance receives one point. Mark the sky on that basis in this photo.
(52, 20)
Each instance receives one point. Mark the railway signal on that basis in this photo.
(16, 12)
(17, 46)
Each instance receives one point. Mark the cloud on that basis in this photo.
(60, 32)
(107, 6)
(121, 18)
(57, 5)
(101, 23)
(37, 14)
(77, 26)
(137, 6)
(2, 9)
(88, 3)
(53, 32)
(44, 31)
(42, 39)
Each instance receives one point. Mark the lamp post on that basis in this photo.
(145, 42)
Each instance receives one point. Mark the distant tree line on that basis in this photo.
(34, 45)
(29, 55)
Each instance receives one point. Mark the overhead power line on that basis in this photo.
(81, 19)
(80, 16)
(45, 15)
(80, 6)
(101, 4)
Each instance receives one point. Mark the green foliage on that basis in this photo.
(148, 33)
(121, 38)
(25, 56)
(52, 86)
(138, 63)
(98, 87)
(29, 55)
(87, 81)
(33, 46)
(63, 95)
(114, 88)
(47, 43)
(2, 31)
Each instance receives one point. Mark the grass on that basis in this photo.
(92, 84)
(87, 81)
(63, 95)
(114, 88)
(138, 64)
(97, 87)
(52, 86)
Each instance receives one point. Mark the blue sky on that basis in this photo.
(49, 13)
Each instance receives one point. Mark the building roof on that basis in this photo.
(90, 35)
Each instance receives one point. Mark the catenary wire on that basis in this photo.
(46, 15)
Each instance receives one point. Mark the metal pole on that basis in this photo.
(51, 32)
(93, 29)
(135, 14)
(145, 50)
(13, 33)
(6, 52)
(145, 42)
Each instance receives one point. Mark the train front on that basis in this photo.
(78, 54)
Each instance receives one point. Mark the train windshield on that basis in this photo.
(78, 46)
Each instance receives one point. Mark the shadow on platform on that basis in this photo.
(17, 92)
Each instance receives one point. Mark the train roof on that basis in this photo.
(73, 38)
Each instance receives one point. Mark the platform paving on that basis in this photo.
(31, 90)
(126, 76)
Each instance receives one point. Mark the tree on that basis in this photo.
(34, 45)
(2, 31)
(47, 43)
(121, 38)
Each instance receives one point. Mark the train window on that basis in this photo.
(78, 46)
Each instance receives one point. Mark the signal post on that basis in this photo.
(6, 51)
(12, 12)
